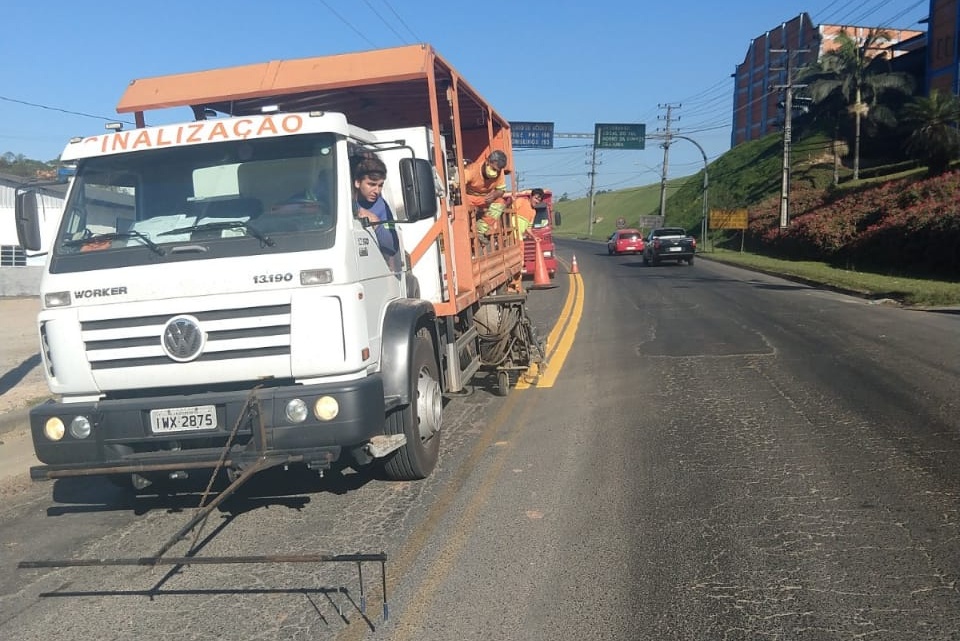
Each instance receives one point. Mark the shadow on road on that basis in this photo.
(12, 377)
(272, 487)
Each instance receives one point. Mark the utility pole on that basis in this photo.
(667, 138)
(593, 174)
(706, 184)
(787, 134)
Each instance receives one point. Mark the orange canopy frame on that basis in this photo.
(410, 86)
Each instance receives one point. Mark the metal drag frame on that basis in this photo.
(204, 509)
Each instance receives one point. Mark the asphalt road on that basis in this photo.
(724, 455)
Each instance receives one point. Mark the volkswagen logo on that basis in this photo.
(182, 338)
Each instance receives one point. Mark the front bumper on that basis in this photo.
(122, 440)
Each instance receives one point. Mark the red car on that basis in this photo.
(625, 241)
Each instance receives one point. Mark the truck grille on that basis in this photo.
(247, 332)
(529, 251)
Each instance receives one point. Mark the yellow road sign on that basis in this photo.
(728, 219)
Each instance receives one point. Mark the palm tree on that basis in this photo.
(936, 139)
(857, 74)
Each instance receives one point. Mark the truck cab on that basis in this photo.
(212, 298)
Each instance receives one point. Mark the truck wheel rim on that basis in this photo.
(429, 404)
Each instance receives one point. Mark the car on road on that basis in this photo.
(625, 241)
(669, 243)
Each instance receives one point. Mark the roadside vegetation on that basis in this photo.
(13, 164)
(914, 292)
(874, 202)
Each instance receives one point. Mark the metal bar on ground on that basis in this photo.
(206, 560)
(261, 464)
(151, 561)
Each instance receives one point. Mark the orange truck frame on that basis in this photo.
(195, 316)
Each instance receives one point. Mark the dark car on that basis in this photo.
(669, 243)
(625, 241)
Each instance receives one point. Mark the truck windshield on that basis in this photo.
(543, 217)
(223, 199)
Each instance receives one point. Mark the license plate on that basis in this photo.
(183, 419)
(676, 249)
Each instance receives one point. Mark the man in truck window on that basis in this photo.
(525, 210)
(485, 185)
(369, 174)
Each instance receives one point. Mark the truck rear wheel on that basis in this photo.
(420, 420)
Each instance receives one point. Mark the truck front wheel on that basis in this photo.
(420, 420)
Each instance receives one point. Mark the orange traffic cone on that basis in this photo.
(573, 266)
(541, 278)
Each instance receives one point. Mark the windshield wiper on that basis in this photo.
(224, 224)
(120, 235)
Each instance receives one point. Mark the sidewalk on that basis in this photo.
(22, 384)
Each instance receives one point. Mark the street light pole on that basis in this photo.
(706, 184)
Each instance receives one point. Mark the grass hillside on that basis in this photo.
(746, 175)
(627, 203)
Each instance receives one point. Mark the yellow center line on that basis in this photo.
(402, 563)
(559, 355)
(442, 563)
(560, 339)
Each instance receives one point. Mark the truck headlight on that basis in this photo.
(296, 411)
(547, 254)
(316, 276)
(326, 408)
(80, 427)
(56, 299)
(54, 429)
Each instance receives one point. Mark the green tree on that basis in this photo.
(935, 139)
(856, 75)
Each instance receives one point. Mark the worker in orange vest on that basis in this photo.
(485, 184)
(525, 210)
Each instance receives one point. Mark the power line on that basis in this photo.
(869, 12)
(384, 21)
(65, 111)
(405, 25)
(829, 6)
(891, 21)
(348, 23)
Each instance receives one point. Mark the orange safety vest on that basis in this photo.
(525, 214)
(478, 186)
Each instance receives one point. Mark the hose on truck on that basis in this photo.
(502, 342)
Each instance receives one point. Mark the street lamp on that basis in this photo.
(706, 184)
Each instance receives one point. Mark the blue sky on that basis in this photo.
(569, 62)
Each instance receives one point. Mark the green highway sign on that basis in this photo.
(619, 136)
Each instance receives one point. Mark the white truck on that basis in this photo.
(212, 301)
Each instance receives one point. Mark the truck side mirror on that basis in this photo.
(556, 218)
(27, 223)
(419, 189)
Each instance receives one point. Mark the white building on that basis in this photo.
(20, 273)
